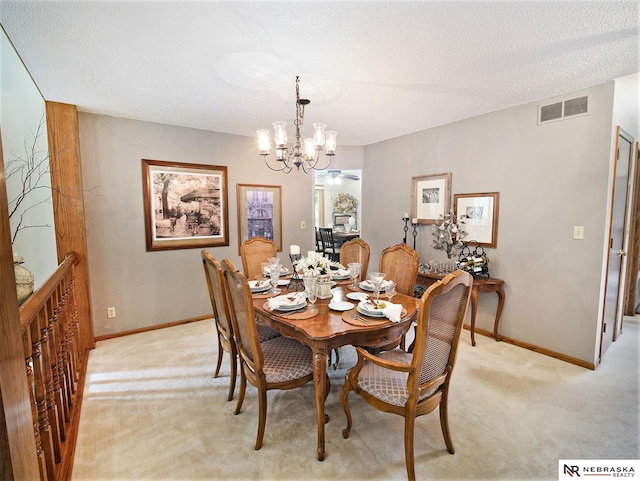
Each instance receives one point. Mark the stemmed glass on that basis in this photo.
(311, 288)
(354, 273)
(391, 290)
(376, 278)
(274, 274)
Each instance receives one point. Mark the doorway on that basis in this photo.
(337, 192)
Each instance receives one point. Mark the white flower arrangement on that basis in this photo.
(316, 265)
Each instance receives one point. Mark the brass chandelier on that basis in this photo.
(302, 156)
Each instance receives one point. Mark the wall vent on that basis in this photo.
(563, 110)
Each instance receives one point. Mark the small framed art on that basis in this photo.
(259, 213)
(479, 212)
(430, 197)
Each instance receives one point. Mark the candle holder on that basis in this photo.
(415, 233)
(295, 283)
(406, 228)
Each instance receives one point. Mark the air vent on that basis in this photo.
(563, 110)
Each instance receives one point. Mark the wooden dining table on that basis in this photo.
(327, 330)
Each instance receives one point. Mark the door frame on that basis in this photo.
(617, 321)
(633, 248)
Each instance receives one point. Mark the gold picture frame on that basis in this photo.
(430, 197)
(259, 213)
(479, 213)
(185, 205)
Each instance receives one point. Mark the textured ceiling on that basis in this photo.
(373, 70)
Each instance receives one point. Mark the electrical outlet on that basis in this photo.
(111, 312)
(578, 232)
(303, 224)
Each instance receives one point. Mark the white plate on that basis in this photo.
(357, 296)
(374, 312)
(263, 286)
(284, 282)
(340, 306)
(366, 286)
(288, 306)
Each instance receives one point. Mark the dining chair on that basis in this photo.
(400, 263)
(254, 251)
(319, 247)
(224, 328)
(414, 384)
(279, 363)
(356, 250)
(328, 243)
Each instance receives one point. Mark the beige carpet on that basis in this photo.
(152, 411)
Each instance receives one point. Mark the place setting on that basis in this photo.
(374, 311)
(295, 305)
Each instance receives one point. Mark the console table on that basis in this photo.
(479, 285)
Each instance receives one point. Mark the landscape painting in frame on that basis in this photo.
(430, 197)
(259, 213)
(185, 205)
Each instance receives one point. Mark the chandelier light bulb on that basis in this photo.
(280, 131)
(319, 135)
(264, 144)
(330, 142)
(309, 148)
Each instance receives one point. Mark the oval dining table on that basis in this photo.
(327, 330)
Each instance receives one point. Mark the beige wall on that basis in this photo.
(550, 178)
(149, 288)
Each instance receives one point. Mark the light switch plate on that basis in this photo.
(303, 224)
(578, 232)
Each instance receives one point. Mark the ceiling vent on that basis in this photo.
(563, 110)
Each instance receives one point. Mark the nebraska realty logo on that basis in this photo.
(603, 468)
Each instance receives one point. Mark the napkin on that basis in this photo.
(275, 302)
(392, 311)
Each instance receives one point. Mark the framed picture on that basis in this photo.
(259, 213)
(479, 212)
(430, 197)
(185, 205)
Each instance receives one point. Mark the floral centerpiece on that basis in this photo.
(316, 265)
(345, 203)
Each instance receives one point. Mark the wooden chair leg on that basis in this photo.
(232, 380)
(243, 388)
(409, 425)
(262, 416)
(444, 422)
(220, 354)
(344, 401)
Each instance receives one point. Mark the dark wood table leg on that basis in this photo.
(474, 310)
(320, 381)
(500, 292)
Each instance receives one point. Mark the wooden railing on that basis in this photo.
(54, 369)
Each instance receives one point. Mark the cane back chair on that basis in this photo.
(414, 384)
(253, 252)
(279, 363)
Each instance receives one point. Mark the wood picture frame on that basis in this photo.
(185, 205)
(479, 213)
(430, 197)
(259, 213)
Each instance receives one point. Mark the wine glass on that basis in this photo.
(354, 273)
(274, 274)
(265, 269)
(391, 290)
(376, 278)
(311, 288)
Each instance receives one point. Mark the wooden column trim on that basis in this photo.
(68, 204)
(17, 443)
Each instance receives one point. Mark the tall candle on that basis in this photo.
(405, 215)
(414, 221)
(294, 250)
